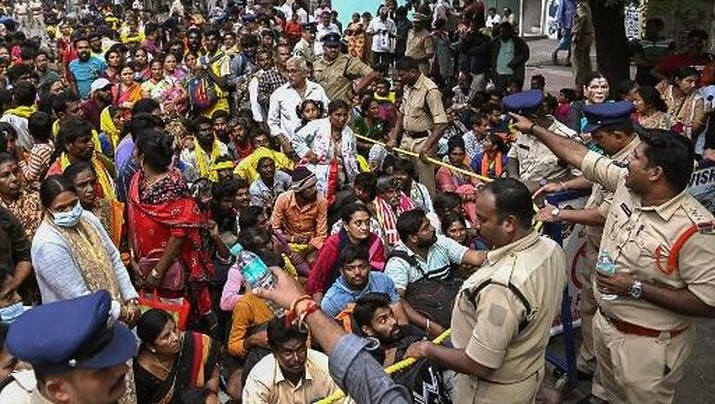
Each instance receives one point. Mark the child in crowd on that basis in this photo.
(40, 127)
(565, 98)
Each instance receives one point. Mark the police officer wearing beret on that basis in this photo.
(78, 354)
(612, 131)
(655, 268)
(529, 160)
(335, 71)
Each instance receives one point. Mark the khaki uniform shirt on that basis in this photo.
(602, 199)
(422, 106)
(536, 161)
(421, 47)
(639, 240)
(494, 326)
(337, 76)
(304, 50)
(22, 390)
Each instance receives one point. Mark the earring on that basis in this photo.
(152, 350)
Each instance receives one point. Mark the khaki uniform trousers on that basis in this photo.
(425, 171)
(636, 369)
(470, 391)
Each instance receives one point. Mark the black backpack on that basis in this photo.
(432, 295)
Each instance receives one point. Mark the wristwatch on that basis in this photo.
(555, 213)
(636, 289)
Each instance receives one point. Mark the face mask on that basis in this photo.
(68, 219)
(11, 313)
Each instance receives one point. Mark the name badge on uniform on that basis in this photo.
(626, 209)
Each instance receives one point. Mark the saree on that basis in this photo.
(164, 209)
(111, 214)
(193, 368)
(167, 91)
(128, 96)
(387, 217)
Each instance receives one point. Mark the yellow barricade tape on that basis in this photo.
(440, 163)
(396, 367)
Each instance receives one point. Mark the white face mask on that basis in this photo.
(12, 312)
(68, 219)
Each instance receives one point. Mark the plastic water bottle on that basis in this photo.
(606, 266)
(257, 275)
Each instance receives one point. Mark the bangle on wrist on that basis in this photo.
(531, 128)
(298, 300)
(427, 326)
(563, 186)
(311, 308)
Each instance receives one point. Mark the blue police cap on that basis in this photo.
(71, 334)
(311, 27)
(524, 103)
(607, 113)
(246, 18)
(331, 39)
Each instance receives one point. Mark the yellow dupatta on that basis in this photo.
(204, 167)
(23, 111)
(106, 124)
(103, 178)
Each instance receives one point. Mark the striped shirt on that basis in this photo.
(38, 162)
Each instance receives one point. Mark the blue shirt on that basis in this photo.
(84, 73)
(340, 295)
(440, 256)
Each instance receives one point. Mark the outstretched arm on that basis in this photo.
(570, 151)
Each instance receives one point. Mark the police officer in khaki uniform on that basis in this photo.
(655, 269)
(77, 351)
(503, 313)
(335, 71)
(529, 160)
(612, 130)
(420, 120)
(304, 47)
(419, 42)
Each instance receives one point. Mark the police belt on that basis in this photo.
(633, 329)
(417, 135)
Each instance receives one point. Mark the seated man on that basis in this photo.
(301, 215)
(293, 373)
(373, 316)
(248, 339)
(356, 280)
(421, 266)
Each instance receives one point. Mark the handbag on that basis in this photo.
(174, 279)
(178, 311)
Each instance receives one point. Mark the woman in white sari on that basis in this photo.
(328, 147)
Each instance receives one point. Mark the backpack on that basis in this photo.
(434, 294)
(202, 93)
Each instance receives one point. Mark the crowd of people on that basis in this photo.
(385, 171)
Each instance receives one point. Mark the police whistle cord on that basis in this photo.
(539, 224)
(395, 367)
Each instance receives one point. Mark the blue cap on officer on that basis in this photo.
(607, 113)
(524, 103)
(71, 334)
(248, 18)
(331, 39)
(310, 26)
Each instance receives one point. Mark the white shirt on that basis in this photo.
(381, 41)
(253, 97)
(282, 115)
(302, 16)
(493, 21)
(263, 195)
